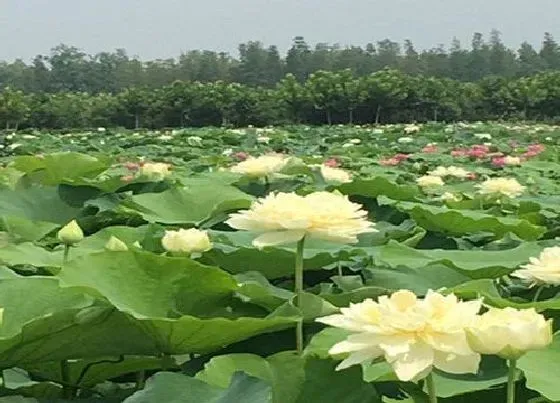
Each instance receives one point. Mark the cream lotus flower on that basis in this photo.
(259, 167)
(282, 218)
(509, 332)
(155, 171)
(457, 172)
(509, 160)
(335, 175)
(186, 241)
(501, 186)
(542, 270)
(355, 141)
(448, 196)
(412, 335)
(405, 140)
(429, 181)
(71, 233)
(411, 129)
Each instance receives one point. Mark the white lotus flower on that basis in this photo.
(412, 335)
(501, 186)
(186, 241)
(509, 333)
(544, 270)
(282, 218)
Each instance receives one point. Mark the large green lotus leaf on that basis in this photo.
(176, 388)
(96, 242)
(43, 204)
(293, 379)
(234, 252)
(486, 288)
(21, 229)
(57, 168)
(90, 333)
(28, 253)
(98, 370)
(149, 285)
(381, 185)
(492, 371)
(201, 200)
(541, 368)
(459, 222)
(27, 298)
(417, 279)
(473, 263)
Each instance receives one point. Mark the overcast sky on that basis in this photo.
(163, 28)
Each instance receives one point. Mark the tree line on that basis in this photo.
(325, 97)
(67, 68)
(327, 84)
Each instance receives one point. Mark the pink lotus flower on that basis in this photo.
(389, 161)
(536, 148)
(499, 162)
(471, 176)
(332, 163)
(461, 152)
(127, 178)
(430, 149)
(240, 156)
(132, 166)
(401, 157)
(530, 154)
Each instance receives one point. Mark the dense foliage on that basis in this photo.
(91, 312)
(325, 97)
(378, 83)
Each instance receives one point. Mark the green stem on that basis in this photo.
(266, 185)
(538, 293)
(339, 269)
(299, 291)
(511, 381)
(431, 386)
(67, 391)
(140, 380)
(66, 253)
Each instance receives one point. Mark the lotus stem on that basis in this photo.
(140, 380)
(538, 293)
(431, 386)
(66, 253)
(299, 291)
(511, 381)
(67, 391)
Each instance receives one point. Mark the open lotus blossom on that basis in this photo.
(544, 270)
(509, 333)
(498, 162)
(501, 186)
(461, 152)
(155, 171)
(405, 140)
(430, 149)
(335, 175)
(411, 129)
(511, 160)
(332, 163)
(186, 241)
(282, 218)
(429, 181)
(389, 161)
(240, 156)
(448, 196)
(355, 141)
(413, 335)
(262, 166)
(457, 172)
